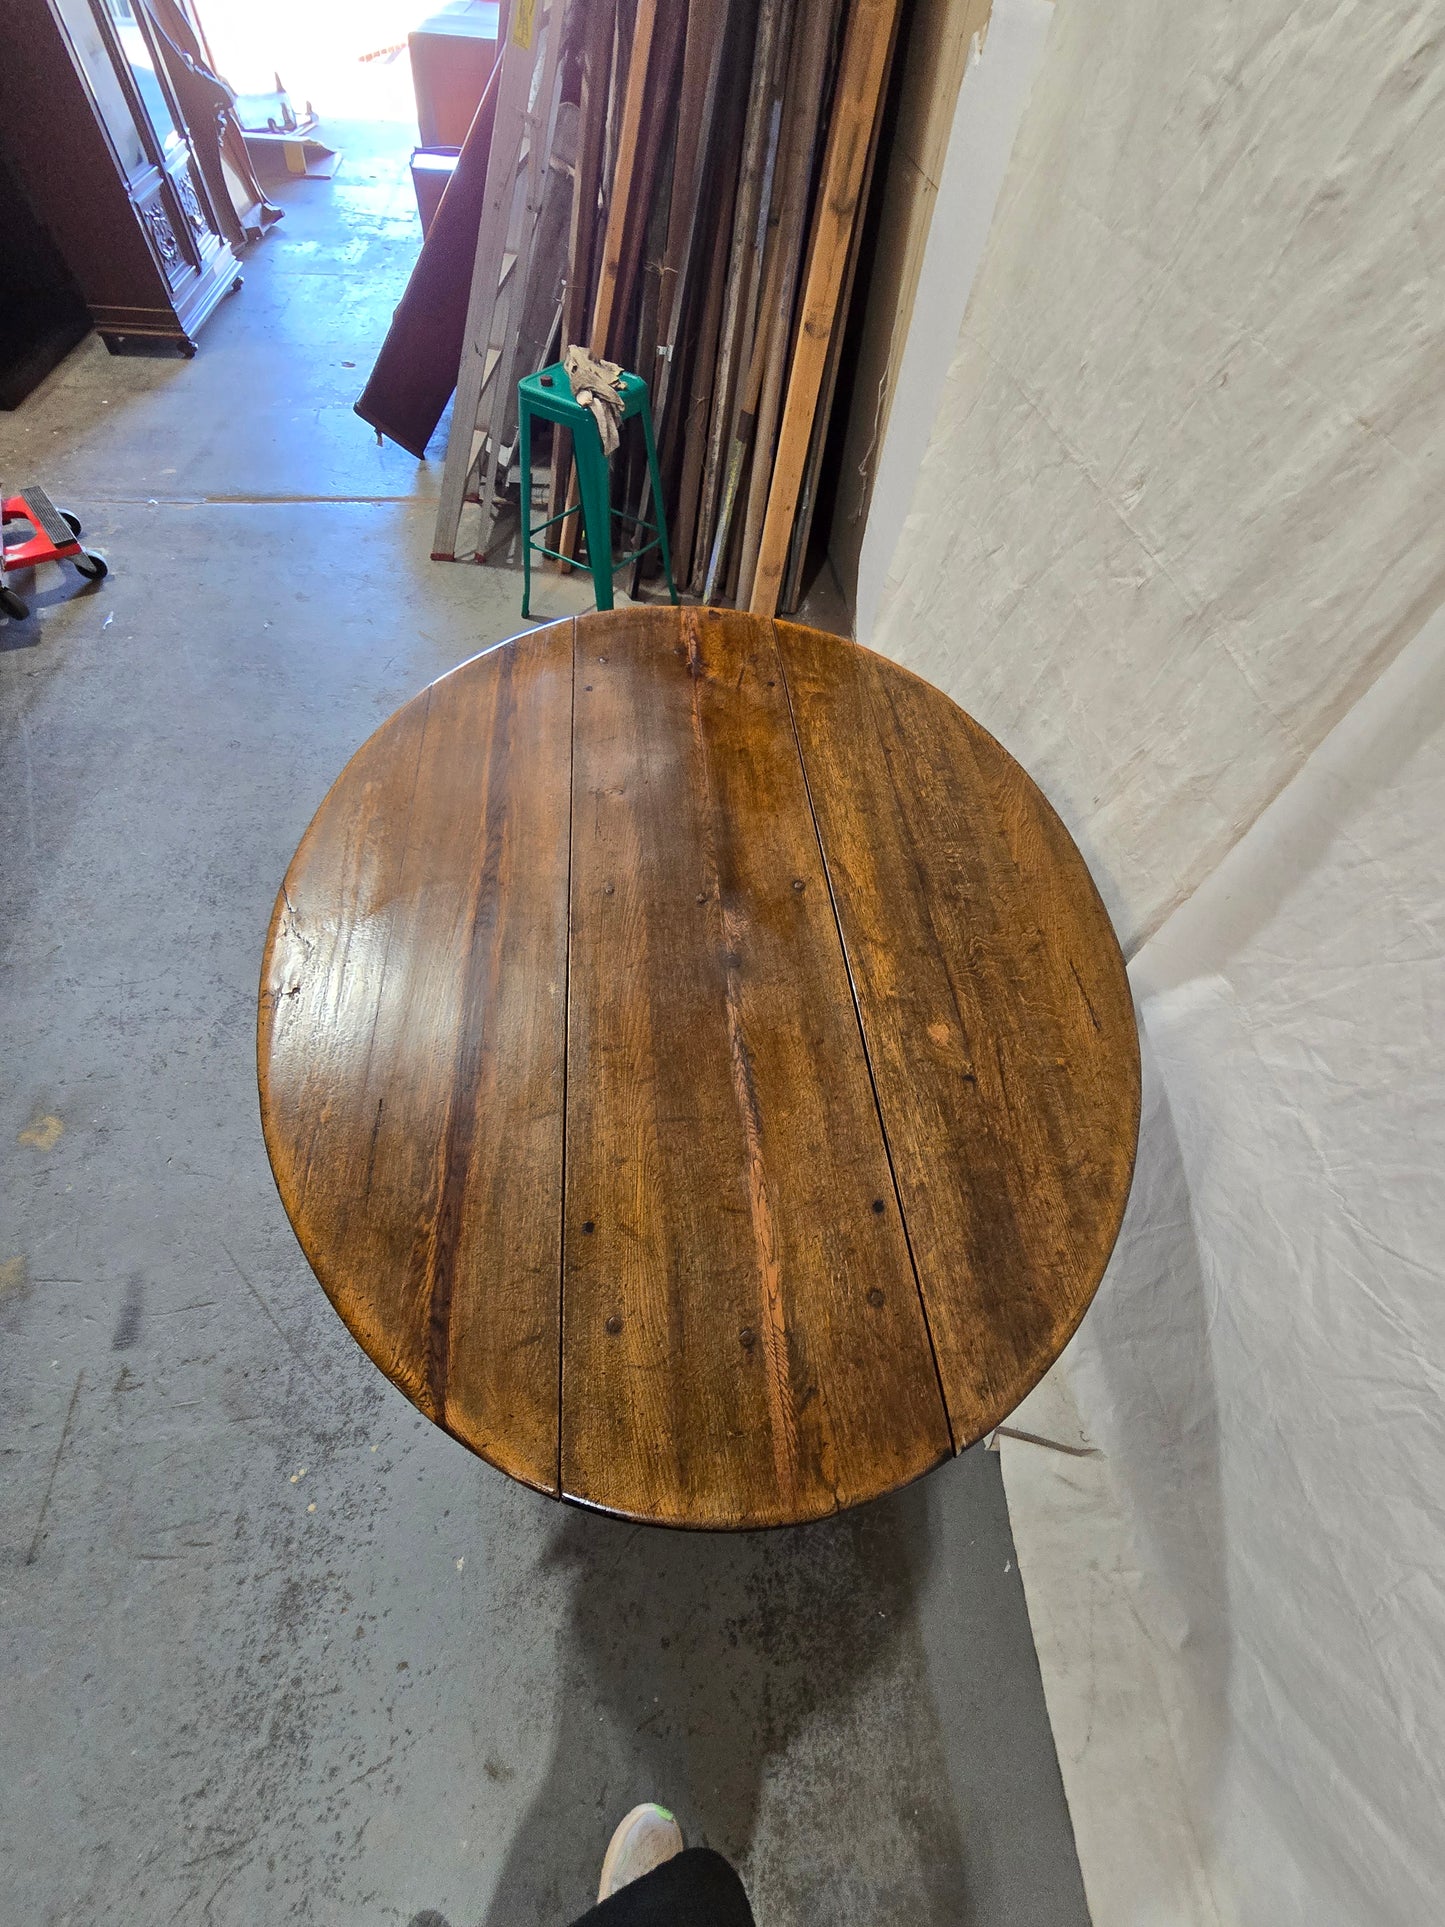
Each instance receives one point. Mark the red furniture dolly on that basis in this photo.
(53, 538)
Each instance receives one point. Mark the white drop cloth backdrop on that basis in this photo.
(1179, 540)
(1182, 498)
(1254, 1568)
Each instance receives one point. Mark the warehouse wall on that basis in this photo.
(1176, 540)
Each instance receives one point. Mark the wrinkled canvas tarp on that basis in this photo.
(1241, 1602)
(1178, 541)
(1181, 502)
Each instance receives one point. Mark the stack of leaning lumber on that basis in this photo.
(723, 154)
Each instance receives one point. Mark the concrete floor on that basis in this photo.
(274, 1648)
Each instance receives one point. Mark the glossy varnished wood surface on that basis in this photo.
(413, 1046)
(742, 1337)
(995, 1010)
(698, 1066)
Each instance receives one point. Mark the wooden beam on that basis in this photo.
(801, 113)
(633, 108)
(741, 264)
(700, 386)
(595, 57)
(659, 119)
(702, 62)
(861, 74)
(817, 446)
(742, 429)
(658, 347)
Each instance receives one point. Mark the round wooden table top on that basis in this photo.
(698, 1066)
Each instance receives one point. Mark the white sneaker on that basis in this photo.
(648, 1836)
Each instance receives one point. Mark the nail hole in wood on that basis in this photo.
(875, 1298)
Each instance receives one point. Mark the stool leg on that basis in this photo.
(524, 414)
(657, 507)
(595, 490)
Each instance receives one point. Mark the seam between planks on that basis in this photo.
(566, 1041)
(862, 1032)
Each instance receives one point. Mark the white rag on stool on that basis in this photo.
(595, 383)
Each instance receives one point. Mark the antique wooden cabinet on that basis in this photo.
(90, 123)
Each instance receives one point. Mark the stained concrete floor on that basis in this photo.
(273, 1648)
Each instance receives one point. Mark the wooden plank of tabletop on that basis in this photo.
(996, 1010)
(412, 1040)
(742, 1337)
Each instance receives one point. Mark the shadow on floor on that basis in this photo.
(691, 1668)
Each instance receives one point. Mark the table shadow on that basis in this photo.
(691, 1671)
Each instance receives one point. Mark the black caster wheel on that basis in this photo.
(92, 567)
(237, 284)
(73, 520)
(13, 606)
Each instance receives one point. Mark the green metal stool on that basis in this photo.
(548, 395)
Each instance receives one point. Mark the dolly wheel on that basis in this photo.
(73, 520)
(13, 606)
(92, 567)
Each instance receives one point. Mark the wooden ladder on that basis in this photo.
(522, 134)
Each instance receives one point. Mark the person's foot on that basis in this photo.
(648, 1836)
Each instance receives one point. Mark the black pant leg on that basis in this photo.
(696, 1888)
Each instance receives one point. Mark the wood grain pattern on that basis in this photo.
(721, 212)
(702, 64)
(743, 266)
(411, 1047)
(867, 46)
(802, 109)
(742, 1336)
(644, 204)
(605, 305)
(698, 1066)
(996, 1010)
